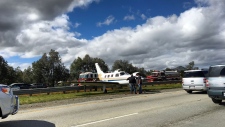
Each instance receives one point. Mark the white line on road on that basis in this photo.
(81, 125)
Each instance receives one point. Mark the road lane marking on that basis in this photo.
(81, 125)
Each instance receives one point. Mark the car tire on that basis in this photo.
(189, 91)
(216, 101)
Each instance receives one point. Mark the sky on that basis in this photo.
(153, 34)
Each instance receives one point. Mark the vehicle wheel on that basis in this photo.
(216, 101)
(188, 91)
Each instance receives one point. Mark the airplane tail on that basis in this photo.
(99, 70)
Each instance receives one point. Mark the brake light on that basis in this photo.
(6, 90)
(206, 82)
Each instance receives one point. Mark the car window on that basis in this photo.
(222, 72)
(217, 71)
(194, 74)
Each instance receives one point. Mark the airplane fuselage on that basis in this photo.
(116, 76)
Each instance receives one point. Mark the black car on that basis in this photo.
(20, 86)
(38, 85)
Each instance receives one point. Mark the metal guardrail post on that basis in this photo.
(85, 88)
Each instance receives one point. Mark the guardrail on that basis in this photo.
(77, 88)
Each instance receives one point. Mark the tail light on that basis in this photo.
(206, 82)
(6, 90)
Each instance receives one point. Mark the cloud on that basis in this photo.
(129, 17)
(77, 25)
(143, 16)
(109, 20)
(197, 35)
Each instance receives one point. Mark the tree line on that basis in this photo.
(49, 69)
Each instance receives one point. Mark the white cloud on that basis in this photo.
(129, 17)
(143, 16)
(195, 35)
(38, 37)
(109, 20)
(77, 25)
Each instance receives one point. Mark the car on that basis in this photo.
(38, 85)
(194, 80)
(9, 103)
(18, 86)
(216, 83)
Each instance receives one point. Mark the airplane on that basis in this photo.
(116, 78)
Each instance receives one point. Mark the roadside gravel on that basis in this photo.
(85, 99)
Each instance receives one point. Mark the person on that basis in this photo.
(132, 82)
(139, 83)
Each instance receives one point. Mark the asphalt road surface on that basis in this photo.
(166, 109)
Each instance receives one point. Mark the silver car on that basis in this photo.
(9, 103)
(216, 83)
(194, 80)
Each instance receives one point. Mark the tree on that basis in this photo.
(126, 66)
(18, 75)
(28, 75)
(49, 69)
(87, 64)
(190, 66)
(123, 65)
(3, 70)
(7, 73)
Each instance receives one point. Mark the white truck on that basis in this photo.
(9, 103)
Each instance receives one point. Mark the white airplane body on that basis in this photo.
(117, 76)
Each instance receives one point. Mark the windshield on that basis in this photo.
(154, 74)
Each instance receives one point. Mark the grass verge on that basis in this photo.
(40, 98)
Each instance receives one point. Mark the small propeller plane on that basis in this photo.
(117, 76)
(110, 79)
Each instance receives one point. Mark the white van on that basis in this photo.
(194, 80)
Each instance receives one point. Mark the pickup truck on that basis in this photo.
(9, 103)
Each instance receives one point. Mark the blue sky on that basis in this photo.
(154, 34)
(89, 17)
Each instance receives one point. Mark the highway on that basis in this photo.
(166, 109)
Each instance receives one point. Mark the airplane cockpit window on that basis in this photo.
(122, 73)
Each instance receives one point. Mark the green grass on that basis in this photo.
(40, 98)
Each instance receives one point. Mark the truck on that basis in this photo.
(9, 103)
(163, 76)
(88, 76)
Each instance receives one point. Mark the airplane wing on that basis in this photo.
(98, 83)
